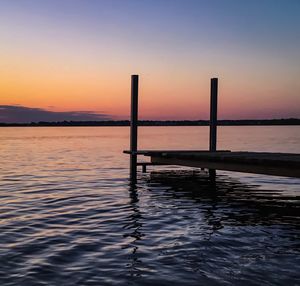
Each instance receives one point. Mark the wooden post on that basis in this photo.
(213, 120)
(213, 114)
(134, 126)
(144, 168)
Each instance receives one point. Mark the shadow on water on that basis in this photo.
(186, 228)
(242, 204)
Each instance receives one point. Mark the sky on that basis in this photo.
(66, 58)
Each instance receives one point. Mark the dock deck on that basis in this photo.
(278, 164)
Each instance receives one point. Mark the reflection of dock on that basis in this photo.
(278, 164)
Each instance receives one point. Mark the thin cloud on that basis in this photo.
(23, 114)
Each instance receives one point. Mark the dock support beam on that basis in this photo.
(134, 126)
(213, 119)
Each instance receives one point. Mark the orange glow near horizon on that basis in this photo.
(162, 96)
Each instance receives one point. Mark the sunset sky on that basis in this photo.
(73, 58)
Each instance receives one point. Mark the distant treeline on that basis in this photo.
(289, 121)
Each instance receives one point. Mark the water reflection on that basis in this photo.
(134, 226)
(237, 202)
(185, 228)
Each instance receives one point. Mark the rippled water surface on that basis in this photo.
(69, 216)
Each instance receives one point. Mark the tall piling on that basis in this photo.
(213, 120)
(134, 126)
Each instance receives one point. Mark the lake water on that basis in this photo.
(68, 215)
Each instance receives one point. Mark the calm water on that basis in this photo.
(68, 215)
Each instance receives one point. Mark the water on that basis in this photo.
(68, 215)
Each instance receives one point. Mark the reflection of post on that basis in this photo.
(213, 120)
(132, 230)
(133, 126)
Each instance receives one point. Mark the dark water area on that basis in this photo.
(69, 215)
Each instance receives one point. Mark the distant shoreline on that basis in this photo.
(246, 122)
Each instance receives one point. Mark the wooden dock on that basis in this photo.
(267, 163)
(277, 164)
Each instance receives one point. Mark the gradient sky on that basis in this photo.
(78, 55)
